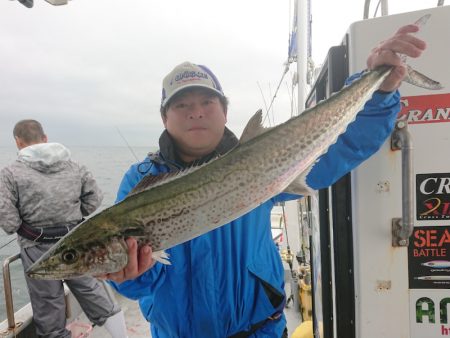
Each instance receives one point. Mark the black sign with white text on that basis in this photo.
(433, 196)
(429, 258)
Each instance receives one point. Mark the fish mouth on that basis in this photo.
(40, 274)
(49, 274)
(42, 271)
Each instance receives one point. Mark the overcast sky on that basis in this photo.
(92, 66)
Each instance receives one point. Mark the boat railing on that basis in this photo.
(24, 315)
(8, 292)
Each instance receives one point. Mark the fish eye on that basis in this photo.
(69, 256)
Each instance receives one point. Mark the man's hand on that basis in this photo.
(139, 261)
(386, 53)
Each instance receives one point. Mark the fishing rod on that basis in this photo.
(1, 247)
(126, 142)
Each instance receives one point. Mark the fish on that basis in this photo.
(169, 210)
(437, 264)
(433, 278)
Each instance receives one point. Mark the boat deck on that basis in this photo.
(137, 326)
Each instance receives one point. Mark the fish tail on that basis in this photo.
(420, 80)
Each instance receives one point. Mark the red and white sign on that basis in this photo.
(425, 109)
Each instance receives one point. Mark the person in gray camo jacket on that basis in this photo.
(44, 194)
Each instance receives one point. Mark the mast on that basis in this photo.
(302, 51)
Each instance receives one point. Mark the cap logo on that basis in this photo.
(191, 75)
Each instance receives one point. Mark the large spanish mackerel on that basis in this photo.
(191, 203)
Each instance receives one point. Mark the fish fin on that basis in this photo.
(253, 128)
(299, 186)
(161, 256)
(420, 80)
(150, 181)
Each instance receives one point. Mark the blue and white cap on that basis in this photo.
(188, 75)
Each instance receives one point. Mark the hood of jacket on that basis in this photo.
(45, 157)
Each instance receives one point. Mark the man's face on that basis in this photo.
(196, 121)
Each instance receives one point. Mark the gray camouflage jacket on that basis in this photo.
(45, 188)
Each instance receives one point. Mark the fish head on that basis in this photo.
(69, 259)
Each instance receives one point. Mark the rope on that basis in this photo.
(376, 9)
(286, 69)
(262, 95)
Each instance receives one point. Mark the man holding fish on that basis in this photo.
(190, 235)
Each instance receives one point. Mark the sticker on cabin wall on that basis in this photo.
(429, 258)
(433, 196)
(429, 313)
(425, 109)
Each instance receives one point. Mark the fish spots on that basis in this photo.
(166, 228)
(96, 255)
(90, 259)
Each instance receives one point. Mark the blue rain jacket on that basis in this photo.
(213, 289)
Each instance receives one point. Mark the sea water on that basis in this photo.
(107, 164)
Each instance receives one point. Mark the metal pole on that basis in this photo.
(366, 9)
(8, 290)
(384, 8)
(403, 228)
(302, 51)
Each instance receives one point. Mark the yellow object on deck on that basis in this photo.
(304, 330)
(304, 291)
